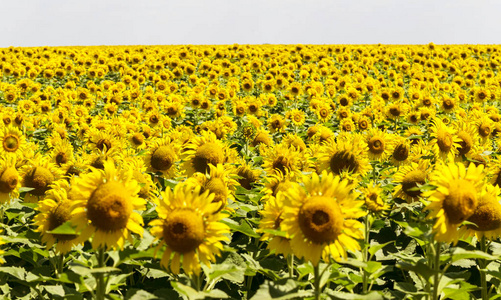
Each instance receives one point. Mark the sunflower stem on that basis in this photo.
(100, 288)
(316, 270)
(482, 265)
(365, 252)
(290, 260)
(60, 265)
(436, 268)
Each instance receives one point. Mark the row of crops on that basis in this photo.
(250, 171)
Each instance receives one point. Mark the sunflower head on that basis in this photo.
(319, 218)
(189, 227)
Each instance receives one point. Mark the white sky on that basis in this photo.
(164, 22)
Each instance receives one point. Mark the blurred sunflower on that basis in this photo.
(105, 205)
(284, 159)
(54, 211)
(272, 217)
(444, 143)
(456, 198)
(38, 174)
(321, 218)
(373, 200)
(10, 180)
(162, 156)
(188, 225)
(486, 220)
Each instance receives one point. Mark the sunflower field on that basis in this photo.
(250, 172)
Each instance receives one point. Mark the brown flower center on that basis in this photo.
(209, 153)
(9, 180)
(38, 178)
(321, 220)
(11, 143)
(461, 202)
(162, 158)
(109, 207)
(184, 230)
(343, 160)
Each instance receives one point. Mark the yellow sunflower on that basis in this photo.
(188, 225)
(456, 198)
(162, 156)
(272, 217)
(321, 218)
(10, 181)
(38, 174)
(105, 206)
(284, 159)
(408, 177)
(400, 149)
(346, 154)
(204, 150)
(54, 211)
(373, 200)
(487, 217)
(378, 144)
(444, 143)
(13, 142)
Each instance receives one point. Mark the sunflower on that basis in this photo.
(203, 150)
(444, 143)
(373, 200)
(38, 174)
(105, 205)
(296, 116)
(346, 154)
(54, 211)
(321, 218)
(276, 123)
(400, 149)
(486, 220)
(273, 184)
(190, 228)
(103, 141)
(10, 181)
(162, 156)
(272, 217)
(13, 142)
(247, 175)
(62, 153)
(284, 159)
(409, 177)
(468, 137)
(378, 144)
(456, 198)
(217, 181)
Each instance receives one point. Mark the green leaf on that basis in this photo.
(243, 227)
(193, 294)
(341, 295)
(66, 228)
(135, 294)
(56, 290)
(376, 247)
(281, 290)
(460, 253)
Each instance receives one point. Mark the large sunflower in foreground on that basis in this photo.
(486, 220)
(54, 211)
(188, 224)
(321, 218)
(456, 198)
(105, 206)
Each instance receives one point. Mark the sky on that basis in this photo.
(26, 23)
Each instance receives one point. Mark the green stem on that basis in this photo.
(482, 264)
(317, 281)
(100, 288)
(365, 252)
(290, 260)
(60, 264)
(436, 268)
